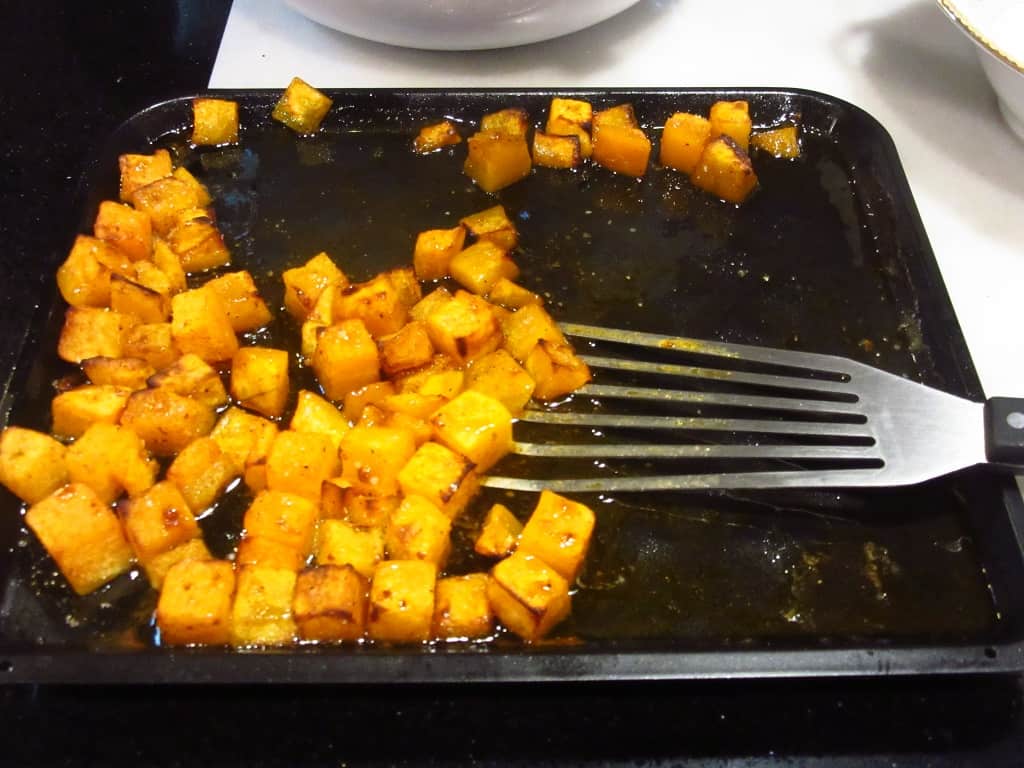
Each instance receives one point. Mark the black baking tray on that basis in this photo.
(829, 255)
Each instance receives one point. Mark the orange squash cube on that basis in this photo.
(286, 518)
(181, 173)
(498, 375)
(550, 151)
(152, 342)
(435, 136)
(259, 380)
(202, 472)
(732, 119)
(372, 394)
(377, 302)
(90, 332)
(494, 225)
(193, 377)
(246, 309)
(200, 325)
(156, 568)
(165, 420)
(367, 510)
(214, 122)
(262, 611)
(555, 369)
(195, 603)
(440, 475)
(496, 161)
(436, 298)
(137, 171)
(303, 285)
(418, 530)
(464, 328)
(302, 107)
(526, 327)
(330, 604)
(198, 245)
(341, 543)
(618, 142)
(165, 200)
(512, 122)
(125, 228)
(434, 250)
(371, 458)
(157, 521)
(407, 349)
(559, 532)
(244, 437)
(32, 464)
(269, 553)
(499, 534)
(481, 265)
(75, 410)
(299, 462)
(125, 372)
(131, 298)
(401, 605)
(111, 460)
(528, 596)
(783, 142)
(683, 140)
(725, 171)
(571, 117)
(316, 415)
(345, 359)
(461, 608)
(476, 426)
(83, 280)
(512, 296)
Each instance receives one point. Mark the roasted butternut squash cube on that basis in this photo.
(725, 171)
(372, 416)
(559, 532)
(130, 298)
(75, 410)
(683, 140)
(478, 267)
(302, 107)
(434, 250)
(309, 336)
(409, 348)
(246, 309)
(111, 460)
(496, 161)
(152, 342)
(528, 596)
(200, 325)
(269, 553)
(330, 604)
(82, 535)
(401, 606)
(556, 370)
(193, 377)
(440, 475)
(498, 375)
(422, 309)
(332, 499)
(372, 394)
(139, 170)
(511, 295)
(262, 610)
(345, 359)
(299, 462)
(493, 225)
(781, 142)
(413, 404)
(435, 136)
(156, 569)
(244, 437)
(499, 534)
(195, 603)
(342, 543)
(732, 119)
(202, 472)
(32, 464)
(214, 122)
(550, 151)
(371, 458)
(165, 420)
(406, 284)
(169, 264)
(368, 510)
(526, 327)
(165, 200)
(476, 426)
(125, 228)
(151, 277)
(198, 245)
(83, 279)
(571, 117)
(418, 427)
(464, 328)
(441, 377)
(418, 530)
(316, 415)
(286, 518)
(181, 173)
(618, 143)
(259, 380)
(461, 608)
(157, 521)
(303, 285)
(127, 372)
(90, 332)
(512, 121)
(377, 302)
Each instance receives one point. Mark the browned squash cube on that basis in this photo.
(372, 394)
(301, 107)
(512, 121)
(434, 250)
(247, 311)
(436, 298)
(75, 410)
(262, 611)
(259, 380)
(82, 535)
(214, 122)
(330, 604)
(126, 372)
(139, 170)
(342, 543)
(269, 553)
(441, 476)
(111, 460)
(156, 569)
(372, 416)
(556, 370)
(32, 464)
(571, 117)
(528, 596)
(413, 404)
(332, 499)
(165, 420)
(511, 295)
(464, 328)
(526, 327)
(169, 264)
(481, 265)
(435, 136)
(193, 377)
(316, 415)
(499, 534)
(244, 437)
(377, 302)
(202, 472)
(157, 521)
(195, 603)
(418, 530)
(181, 173)
(303, 285)
(732, 119)
(496, 161)
(299, 462)
(200, 325)
(683, 140)
(725, 171)
(84, 277)
(407, 284)
(165, 200)
(781, 142)
(150, 276)
(476, 426)
(407, 349)
(618, 143)
(309, 336)
(367, 510)
(152, 342)
(559, 533)
(442, 377)
(125, 228)
(401, 607)
(90, 332)
(461, 608)
(286, 518)
(498, 375)
(346, 359)
(494, 225)
(130, 298)
(418, 427)
(371, 458)
(198, 245)
(550, 151)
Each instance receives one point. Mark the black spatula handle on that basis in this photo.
(1004, 430)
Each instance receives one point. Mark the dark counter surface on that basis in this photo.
(73, 72)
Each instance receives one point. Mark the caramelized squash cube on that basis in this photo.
(371, 458)
(165, 420)
(342, 543)
(481, 265)
(316, 415)
(126, 372)
(286, 518)
(441, 377)
(464, 328)
(496, 161)
(152, 342)
(309, 336)
(732, 119)
(571, 117)
(725, 171)
(436, 298)
(214, 122)
(435, 136)
(372, 394)
(200, 325)
(125, 228)
(512, 122)
(783, 142)
(401, 605)
(111, 460)
(90, 332)
(193, 377)
(83, 279)
(75, 410)
(299, 462)
(556, 370)
(157, 567)
(345, 359)
(259, 380)
(247, 311)
(434, 250)
(150, 276)
(157, 521)
(165, 200)
(330, 604)
(409, 348)
(550, 151)
(528, 596)
(169, 264)
(499, 534)
(32, 464)
(377, 302)
(368, 510)
(418, 530)
(262, 611)
(181, 173)
(269, 553)
(412, 404)
(559, 532)
(82, 535)
(475, 425)
(461, 608)
(618, 143)
(526, 327)
(202, 472)
(303, 285)
(511, 295)
(244, 437)
(195, 603)
(498, 375)
(683, 140)
(130, 298)
(198, 245)
(493, 225)
(139, 170)
(440, 475)
(302, 107)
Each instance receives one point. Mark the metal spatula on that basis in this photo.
(813, 420)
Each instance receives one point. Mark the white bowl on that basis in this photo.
(459, 25)
(997, 28)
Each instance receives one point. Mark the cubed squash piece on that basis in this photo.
(200, 325)
(401, 606)
(259, 380)
(511, 295)
(269, 553)
(437, 297)
(90, 332)
(499, 534)
(126, 372)
(559, 532)
(309, 337)
(202, 472)
(303, 285)
(165, 200)
(169, 264)
(301, 107)
(512, 121)
(435, 136)
(440, 475)
(441, 377)
(495, 161)
(299, 462)
(528, 596)
(181, 173)
(372, 394)
(481, 265)
(195, 603)
(193, 377)
(368, 510)
(781, 142)
(262, 611)
(525, 327)
(464, 328)
(342, 543)
(461, 608)
(494, 225)
(137, 171)
(198, 245)
(618, 143)
(434, 250)
(556, 370)
(371, 458)
(165, 420)
(214, 122)
(83, 279)
(725, 171)
(498, 375)
(150, 276)
(244, 437)
(111, 460)
(152, 342)
(571, 117)
(125, 228)
(550, 151)
(157, 521)
(409, 348)
(330, 604)
(418, 530)
(75, 410)
(346, 358)
(32, 464)
(246, 309)
(377, 302)
(683, 140)
(82, 535)
(156, 569)
(476, 426)
(732, 119)
(316, 415)
(286, 518)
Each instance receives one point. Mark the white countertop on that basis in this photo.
(901, 61)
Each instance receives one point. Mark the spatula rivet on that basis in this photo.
(1015, 420)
